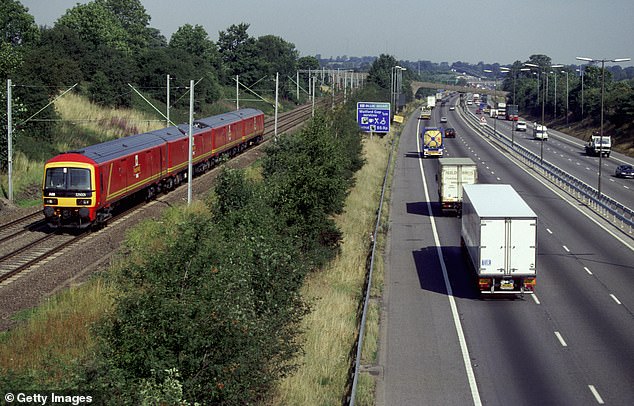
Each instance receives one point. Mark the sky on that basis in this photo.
(472, 31)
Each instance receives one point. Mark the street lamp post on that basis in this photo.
(555, 106)
(397, 80)
(495, 119)
(495, 85)
(567, 95)
(603, 61)
(393, 88)
(514, 103)
(541, 69)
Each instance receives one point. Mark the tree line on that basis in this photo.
(104, 45)
(569, 93)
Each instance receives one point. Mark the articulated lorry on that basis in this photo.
(453, 173)
(432, 139)
(540, 132)
(512, 112)
(425, 113)
(599, 145)
(499, 236)
(501, 110)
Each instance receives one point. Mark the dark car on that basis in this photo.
(450, 132)
(624, 171)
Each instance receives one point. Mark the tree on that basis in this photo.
(277, 56)
(239, 54)
(133, 18)
(195, 41)
(308, 62)
(96, 25)
(17, 26)
(18, 33)
(381, 71)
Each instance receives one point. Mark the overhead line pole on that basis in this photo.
(190, 166)
(9, 141)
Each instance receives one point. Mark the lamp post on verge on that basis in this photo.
(495, 119)
(495, 83)
(567, 95)
(392, 86)
(542, 70)
(603, 61)
(397, 76)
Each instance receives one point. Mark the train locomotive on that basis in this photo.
(80, 188)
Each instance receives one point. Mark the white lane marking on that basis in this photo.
(598, 397)
(466, 359)
(566, 248)
(549, 232)
(534, 296)
(615, 299)
(587, 270)
(561, 339)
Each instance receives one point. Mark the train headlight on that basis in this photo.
(83, 202)
(48, 200)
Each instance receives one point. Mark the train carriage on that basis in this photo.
(81, 187)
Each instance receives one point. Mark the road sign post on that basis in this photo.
(373, 117)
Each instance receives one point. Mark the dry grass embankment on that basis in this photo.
(56, 334)
(335, 294)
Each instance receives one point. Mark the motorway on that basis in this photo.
(571, 343)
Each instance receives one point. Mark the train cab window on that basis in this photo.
(67, 178)
(79, 179)
(56, 178)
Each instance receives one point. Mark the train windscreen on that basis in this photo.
(75, 179)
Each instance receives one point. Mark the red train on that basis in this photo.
(82, 187)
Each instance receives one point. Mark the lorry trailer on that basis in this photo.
(499, 237)
(453, 173)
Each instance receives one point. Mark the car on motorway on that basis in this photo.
(478, 111)
(452, 108)
(443, 119)
(450, 132)
(624, 171)
(520, 126)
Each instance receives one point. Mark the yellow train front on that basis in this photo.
(69, 192)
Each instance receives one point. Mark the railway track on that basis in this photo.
(27, 242)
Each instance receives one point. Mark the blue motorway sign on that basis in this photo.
(373, 117)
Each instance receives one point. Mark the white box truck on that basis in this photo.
(452, 174)
(540, 132)
(499, 235)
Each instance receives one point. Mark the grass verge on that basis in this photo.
(335, 295)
